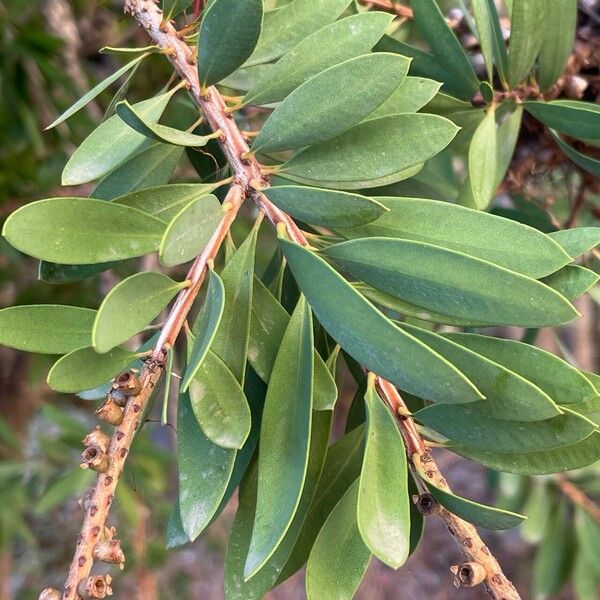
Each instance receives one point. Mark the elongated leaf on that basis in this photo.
(286, 27)
(508, 395)
(485, 30)
(96, 90)
(558, 379)
(339, 558)
(557, 41)
(470, 428)
(181, 242)
(372, 339)
(383, 505)
(412, 95)
(578, 119)
(285, 439)
(341, 97)
(204, 471)
(495, 239)
(340, 41)
(449, 281)
(81, 231)
(578, 241)
(160, 133)
(58, 274)
(444, 44)
(482, 162)
(84, 369)
(325, 207)
(228, 35)
(527, 27)
(130, 306)
(589, 164)
(110, 144)
(46, 328)
(572, 281)
(507, 136)
(206, 327)
(373, 150)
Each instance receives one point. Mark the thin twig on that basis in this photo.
(405, 12)
(578, 496)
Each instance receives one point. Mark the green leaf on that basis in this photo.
(160, 133)
(482, 162)
(578, 119)
(566, 458)
(81, 231)
(501, 241)
(340, 97)
(370, 337)
(66, 486)
(537, 507)
(507, 395)
(444, 44)
(485, 30)
(527, 27)
(287, 26)
(130, 306)
(327, 208)
(481, 515)
(507, 136)
(206, 327)
(204, 471)
(558, 379)
(181, 242)
(46, 328)
(85, 369)
(165, 201)
(587, 163)
(377, 151)
(383, 505)
(449, 281)
(557, 41)
(339, 558)
(471, 428)
(97, 89)
(58, 274)
(412, 95)
(285, 439)
(219, 403)
(340, 41)
(110, 144)
(578, 241)
(268, 323)
(572, 281)
(228, 35)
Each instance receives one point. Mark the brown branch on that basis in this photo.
(404, 12)
(578, 497)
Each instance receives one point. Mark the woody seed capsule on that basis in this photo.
(50, 594)
(96, 438)
(97, 586)
(110, 412)
(95, 458)
(109, 551)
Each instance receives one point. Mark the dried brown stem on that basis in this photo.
(578, 496)
(404, 12)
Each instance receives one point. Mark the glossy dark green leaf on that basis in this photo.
(372, 339)
(160, 133)
(578, 119)
(110, 144)
(204, 471)
(444, 44)
(339, 557)
(59, 274)
(527, 27)
(130, 306)
(85, 369)
(374, 151)
(81, 231)
(383, 513)
(589, 164)
(498, 240)
(46, 328)
(205, 327)
(181, 242)
(340, 97)
(450, 282)
(558, 379)
(470, 428)
(578, 241)
(285, 439)
(228, 35)
(328, 208)
(557, 41)
(508, 395)
(97, 89)
(412, 95)
(572, 281)
(482, 162)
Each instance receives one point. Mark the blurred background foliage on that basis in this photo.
(49, 56)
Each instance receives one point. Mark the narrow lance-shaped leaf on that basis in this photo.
(412, 95)
(383, 505)
(587, 163)
(507, 136)
(572, 281)
(580, 120)
(46, 328)
(285, 439)
(482, 162)
(340, 97)
(485, 32)
(228, 35)
(577, 241)
(130, 306)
